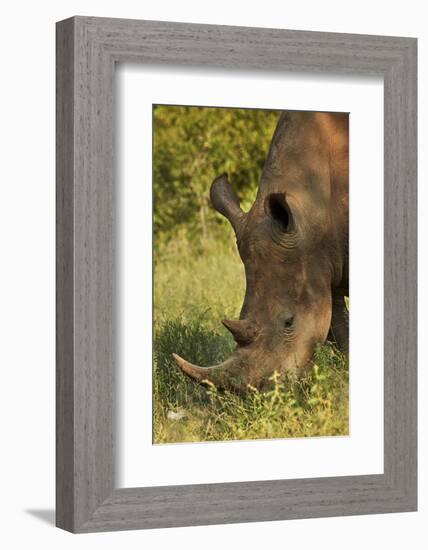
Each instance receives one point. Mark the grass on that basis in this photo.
(195, 287)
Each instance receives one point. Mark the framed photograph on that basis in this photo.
(236, 274)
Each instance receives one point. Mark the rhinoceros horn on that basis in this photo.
(229, 375)
(243, 331)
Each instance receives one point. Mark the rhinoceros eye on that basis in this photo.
(277, 207)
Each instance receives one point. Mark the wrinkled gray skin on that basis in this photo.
(294, 245)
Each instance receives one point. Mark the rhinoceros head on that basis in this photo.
(292, 245)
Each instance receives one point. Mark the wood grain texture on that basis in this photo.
(64, 277)
(87, 50)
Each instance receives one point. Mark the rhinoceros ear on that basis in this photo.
(225, 201)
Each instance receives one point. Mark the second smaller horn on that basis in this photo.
(243, 331)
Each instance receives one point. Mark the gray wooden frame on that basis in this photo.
(87, 50)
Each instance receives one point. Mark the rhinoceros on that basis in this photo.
(294, 246)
